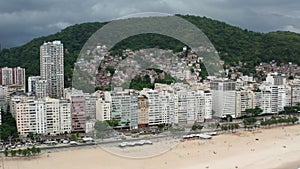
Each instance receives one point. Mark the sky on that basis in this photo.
(23, 20)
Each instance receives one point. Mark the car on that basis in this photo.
(73, 143)
(87, 139)
(65, 141)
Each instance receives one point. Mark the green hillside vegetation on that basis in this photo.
(8, 128)
(234, 44)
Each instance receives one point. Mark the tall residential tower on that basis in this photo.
(52, 67)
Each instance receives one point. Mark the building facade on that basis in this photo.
(124, 108)
(52, 67)
(143, 111)
(32, 82)
(42, 116)
(78, 113)
(13, 77)
(224, 98)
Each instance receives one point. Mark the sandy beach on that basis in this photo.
(274, 148)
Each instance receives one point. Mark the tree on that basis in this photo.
(249, 121)
(192, 70)
(291, 77)
(236, 126)
(19, 152)
(102, 129)
(112, 123)
(97, 88)
(229, 118)
(13, 153)
(254, 112)
(31, 136)
(24, 152)
(8, 129)
(29, 153)
(110, 69)
(33, 150)
(6, 153)
(38, 150)
(74, 137)
(197, 127)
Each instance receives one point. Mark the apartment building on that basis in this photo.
(103, 110)
(263, 99)
(31, 117)
(32, 82)
(13, 77)
(52, 67)
(224, 98)
(244, 100)
(143, 111)
(78, 112)
(124, 108)
(42, 116)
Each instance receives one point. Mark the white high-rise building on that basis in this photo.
(244, 100)
(52, 115)
(282, 97)
(30, 117)
(6, 76)
(180, 107)
(41, 88)
(224, 98)
(103, 110)
(90, 106)
(276, 79)
(207, 105)
(42, 116)
(65, 116)
(124, 108)
(196, 106)
(32, 82)
(52, 67)
(3, 98)
(19, 77)
(278, 96)
(160, 106)
(295, 95)
(13, 76)
(262, 99)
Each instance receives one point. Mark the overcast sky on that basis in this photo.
(23, 20)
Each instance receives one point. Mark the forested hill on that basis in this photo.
(233, 43)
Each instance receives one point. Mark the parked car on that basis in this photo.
(73, 143)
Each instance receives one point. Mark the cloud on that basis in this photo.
(291, 28)
(22, 20)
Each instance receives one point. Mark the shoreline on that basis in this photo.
(264, 148)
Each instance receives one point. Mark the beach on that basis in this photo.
(273, 148)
